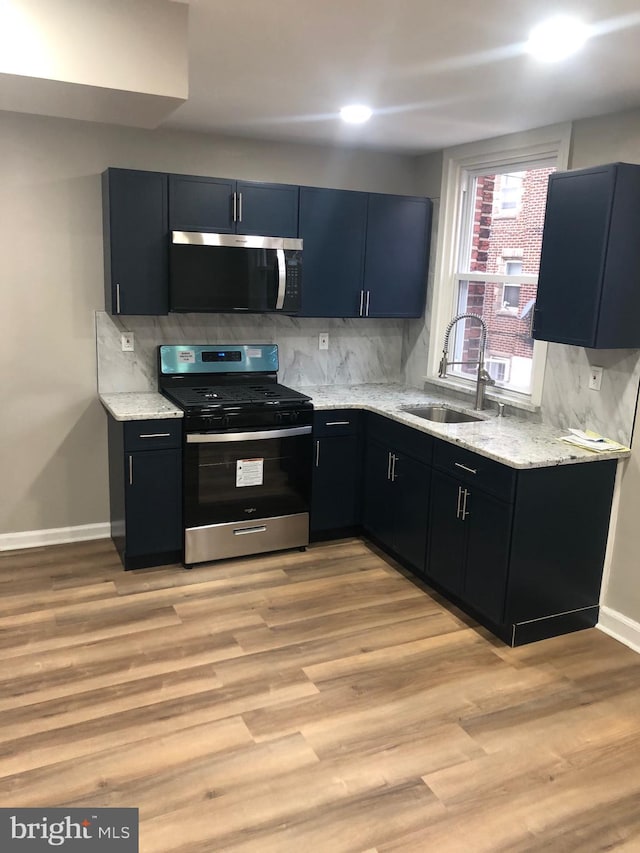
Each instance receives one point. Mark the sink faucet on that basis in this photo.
(483, 379)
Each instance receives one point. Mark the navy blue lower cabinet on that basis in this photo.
(469, 535)
(396, 488)
(521, 550)
(145, 489)
(335, 504)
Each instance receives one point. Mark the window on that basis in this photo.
(508, 192)
(491, 221)
(498, 369)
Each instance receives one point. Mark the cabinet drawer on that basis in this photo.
(152, 434)
(400, 438)
(469, 467)
(336, 422)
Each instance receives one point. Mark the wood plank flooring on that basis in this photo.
(318, 701)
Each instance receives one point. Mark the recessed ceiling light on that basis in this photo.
(355, 113)
(557, 38)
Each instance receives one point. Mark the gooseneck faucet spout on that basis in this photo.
(483, 379)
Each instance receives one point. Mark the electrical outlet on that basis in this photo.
(127, 342)
(595, 378)
(323, 340)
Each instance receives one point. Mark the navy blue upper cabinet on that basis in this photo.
(226, 206)
(365, 254)
(395, 266)
(588, 291)
(332, 227)
(136, 250)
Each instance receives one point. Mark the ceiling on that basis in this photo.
(436, 73)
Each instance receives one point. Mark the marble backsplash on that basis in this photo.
(359, 352)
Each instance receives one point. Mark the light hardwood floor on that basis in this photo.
(317, 701)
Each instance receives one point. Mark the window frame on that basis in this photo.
(542, 145)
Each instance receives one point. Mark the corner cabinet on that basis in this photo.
(365, 254)
(335, 500)
(226, 206)
(587, 289)
(145, 490)
(136, 249)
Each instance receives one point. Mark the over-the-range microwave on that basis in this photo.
(234, 273)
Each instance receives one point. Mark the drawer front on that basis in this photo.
(400, 438)
(469, 467)
(152, 435)
(336, 422)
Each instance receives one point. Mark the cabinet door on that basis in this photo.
(447, 538)
(489, 532)
(378, 509)
(153, 501)
(270, 210)
(411, 485)
(201, 204)
(395, 267)
(332, 227)
(136, 242)
(335, 480)
(574, 242)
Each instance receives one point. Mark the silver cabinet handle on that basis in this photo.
(459, 500)
(464, 468)
(282, 279)
(389, 465)
(337, 423)
(465, 494)
(366, 310)
(393, 467)
(130, 470)
(215, 437)
(235, 207)
(361, 301)
(242, 531)
(317, 453)
(117, 298)
(239, 207)
(154, 435)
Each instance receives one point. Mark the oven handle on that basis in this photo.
(213, 437)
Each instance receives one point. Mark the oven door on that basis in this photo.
(246, 492)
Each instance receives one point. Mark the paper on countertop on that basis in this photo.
(592, 441)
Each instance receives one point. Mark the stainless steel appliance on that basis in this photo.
(234, 272)
(247, 451)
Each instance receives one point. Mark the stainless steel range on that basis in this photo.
(247, 450)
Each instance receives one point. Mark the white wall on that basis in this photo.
(53, 455)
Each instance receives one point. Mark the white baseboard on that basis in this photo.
(620, 627)
(54, 536)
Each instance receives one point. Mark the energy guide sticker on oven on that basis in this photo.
(187, 356)
(249, 472)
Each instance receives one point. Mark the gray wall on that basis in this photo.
(53, 430)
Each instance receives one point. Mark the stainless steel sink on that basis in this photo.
(441, 414)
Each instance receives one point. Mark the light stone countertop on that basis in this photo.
(510, 440)
(142, 406)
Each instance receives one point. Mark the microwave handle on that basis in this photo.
(282, 279)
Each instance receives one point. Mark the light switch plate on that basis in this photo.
(323, 340)
(127, 342)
